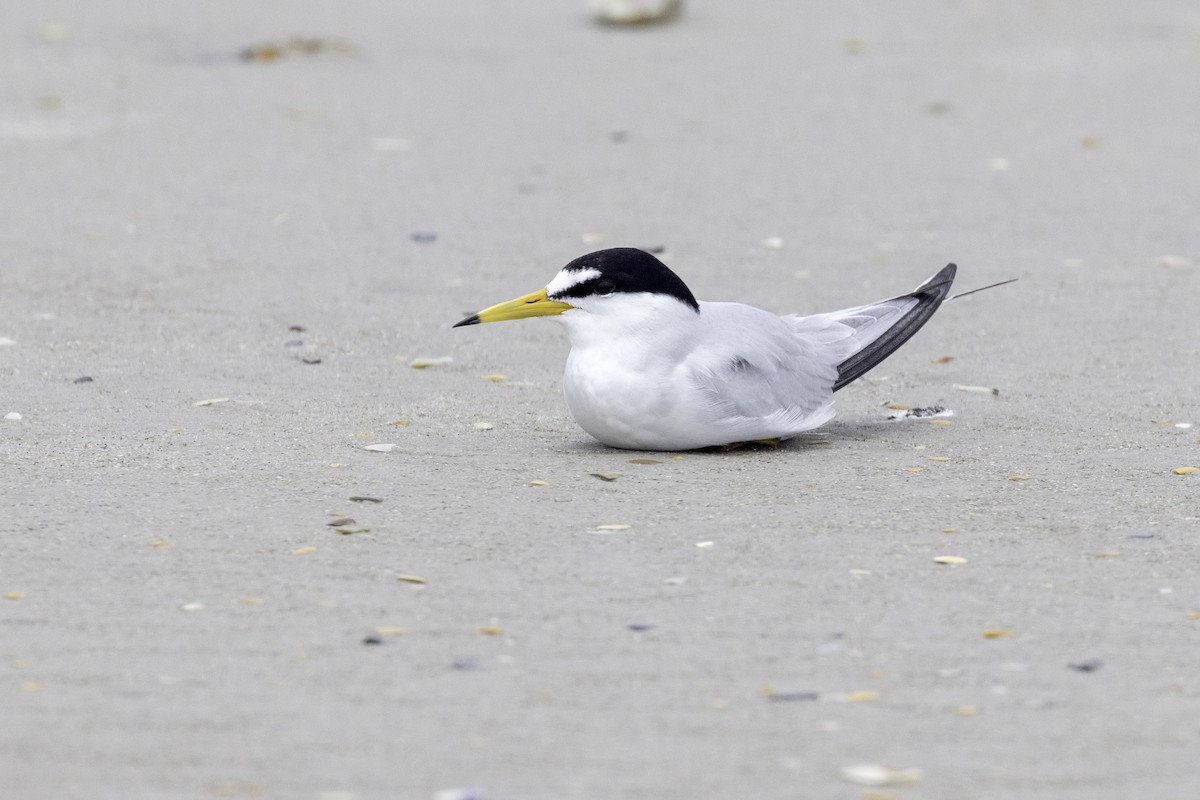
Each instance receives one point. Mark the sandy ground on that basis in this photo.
(178, 618)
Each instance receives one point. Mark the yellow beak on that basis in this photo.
(534, 304)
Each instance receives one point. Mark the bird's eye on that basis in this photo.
(605, 286)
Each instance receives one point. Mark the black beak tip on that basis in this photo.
(471, 320)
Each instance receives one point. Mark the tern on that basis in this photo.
(652, 368)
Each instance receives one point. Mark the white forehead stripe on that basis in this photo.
(567, 278)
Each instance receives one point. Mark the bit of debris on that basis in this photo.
(483, 426)
(980, 389)
(410, 579)
(385, 447)
(296, 46)
(921, 413)
(1019, 478)
(640, 627)
(423, 237)
(538, 483)
(1089, 665)
(490, 630)
(359, 498)
(213, 402)
(792, 697)
(880, 775)
(1174, 261)
(996, 633)
(83, 379)
(635, 12)
(389, 630)
(949, 560)
(1186, 470)
(346, 531)
(336, 523)
(942, 360)
(303, 551)
(643, 461)
(495, 377)
(614, 527)
(13, 416)
(426, 363)
(606, 476)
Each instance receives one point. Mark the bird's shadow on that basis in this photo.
(831, 435)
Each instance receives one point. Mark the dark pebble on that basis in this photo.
(619, 136)
(1090, 665)
(424, 237)
(793, 697)
(640, 627)
(294, 343)
(311, 360)
(84, 379)
(467, 665)
(358, 498)
(372, 640)
(297, 328)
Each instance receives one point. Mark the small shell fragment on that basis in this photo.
(1018, 477)
(214, 401)
(979, 389)
(13, 415)
(949, 560)
(643, 461)
(385, 447)
(1186, 470)
(7, 342)
(303, 551)
(538, 483)
(495, 377)
(192, 607)
(939, 459)
(614, 527)
(340, 521)
(996, 633)
(13, 595)
(390, 630)
(483, 426)
(490, 630)
(704, 544)
(880, 775)
(346, 531)
(943, 360)
(410, 578)
(426, 363)
(606, 476)
(635, 12)
(914, 469)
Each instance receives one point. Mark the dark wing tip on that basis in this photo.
(471, 320)
(929, 295)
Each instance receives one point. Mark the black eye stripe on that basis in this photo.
(590, 287)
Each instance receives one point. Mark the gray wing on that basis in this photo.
(756, 366)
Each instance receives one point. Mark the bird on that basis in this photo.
(652, 368)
